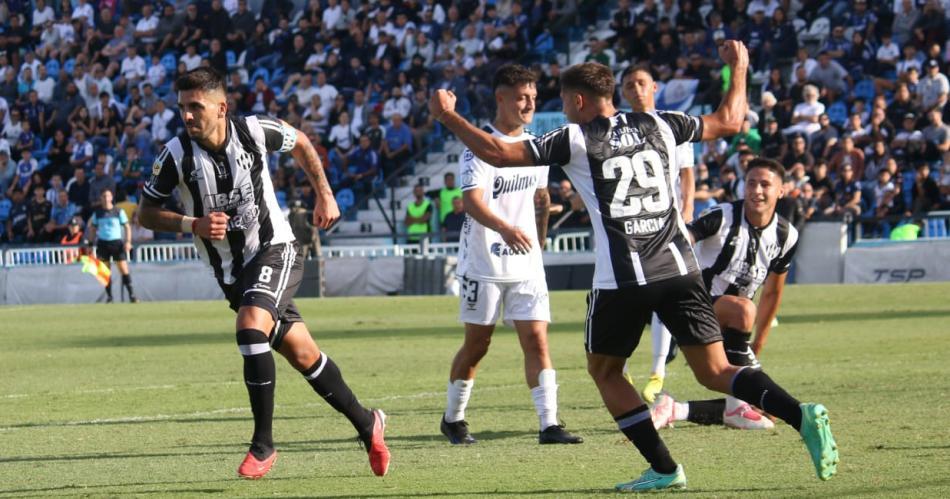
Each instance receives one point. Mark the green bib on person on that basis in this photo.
(416, 211)
(905, 232)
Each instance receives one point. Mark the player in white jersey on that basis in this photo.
(219, 166)
(639, 89)
(741, 246)
(499, 264)
(621, 165)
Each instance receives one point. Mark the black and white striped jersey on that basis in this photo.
(737, 257)
(621, 167)
(235, 181)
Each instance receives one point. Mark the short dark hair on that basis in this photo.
(589, 78)
(768, 164)
(634, 68)
(203, 78)
(512, 75)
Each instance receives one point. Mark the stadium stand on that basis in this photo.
(88, 83)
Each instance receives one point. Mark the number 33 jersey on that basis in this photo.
(622, 166)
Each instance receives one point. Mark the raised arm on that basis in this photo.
(489, 149)
(727, 119)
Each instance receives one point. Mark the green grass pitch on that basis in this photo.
(148, 399)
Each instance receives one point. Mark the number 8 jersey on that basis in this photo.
(621, 167)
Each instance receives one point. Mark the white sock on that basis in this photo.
(680, 411)
(457, 395)
(545, 398)
(733, 403)
(661, 346)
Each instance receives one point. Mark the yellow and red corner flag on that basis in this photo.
(98, 269)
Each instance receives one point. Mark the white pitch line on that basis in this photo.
(230, 410)
(113, 390)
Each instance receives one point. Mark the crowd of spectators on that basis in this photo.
(86, 96)
(850, 96)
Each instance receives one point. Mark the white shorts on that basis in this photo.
(480, 302)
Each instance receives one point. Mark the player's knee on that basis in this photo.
(601, 371)
(535, 342)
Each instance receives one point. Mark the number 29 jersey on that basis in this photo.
(621, 167)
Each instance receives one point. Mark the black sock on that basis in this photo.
(325, 378)
(738, 348)
(260, 378)
(638, 427)
(706, 411)
(127, 282)
(109, 289)
(756, 388)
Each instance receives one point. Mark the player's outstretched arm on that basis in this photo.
(727, 119)
(326, 210)
(688, 190)
(489, 149)
(152, 216)
(767, 309)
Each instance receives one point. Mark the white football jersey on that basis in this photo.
(509, 194)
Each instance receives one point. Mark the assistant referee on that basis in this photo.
(112, 243)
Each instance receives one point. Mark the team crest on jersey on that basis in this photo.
(157, 166)
(195, 175)
(244, 160)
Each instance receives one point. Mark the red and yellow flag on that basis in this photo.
(96, 267)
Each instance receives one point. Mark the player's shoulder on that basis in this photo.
(785, 229)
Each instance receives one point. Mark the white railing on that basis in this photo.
(165, 252)
(571, 242)
(186, 251)
(40, 255)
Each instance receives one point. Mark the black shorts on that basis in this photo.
(269, 281)
(616, 317)
(111, 251)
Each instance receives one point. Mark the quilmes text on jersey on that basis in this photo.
(518, 182)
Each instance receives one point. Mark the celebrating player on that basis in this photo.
(740, 246)
(639, 88)
(500, 263)
(220, 169)
(620, 165)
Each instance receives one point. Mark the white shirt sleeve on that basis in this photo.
(473, 171)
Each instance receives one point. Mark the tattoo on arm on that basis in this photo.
(152, 216)
(542, 212)
(307, 158)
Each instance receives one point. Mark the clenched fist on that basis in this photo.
(735, 54)
(441, 102)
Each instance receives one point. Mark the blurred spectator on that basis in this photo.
(363, 167)
(444, 196)
(18, 221)
(100, 183)
(849, 156)
(567, 208)
(926, 195)
(74, 234)
(937, 136)
(452, 225)
(397, 145)
(847, 198)
(61, 213)
(805, 116)
(933, 88)
(798, 153)
(38, 212)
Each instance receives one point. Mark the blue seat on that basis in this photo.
(52, 68)
(170, 63)
(935, 227)
(263, 73)
(69, 65)
(278, 76)
(864, 89)
(838, 113)
(231, 58)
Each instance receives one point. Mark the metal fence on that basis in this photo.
(185, 251)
